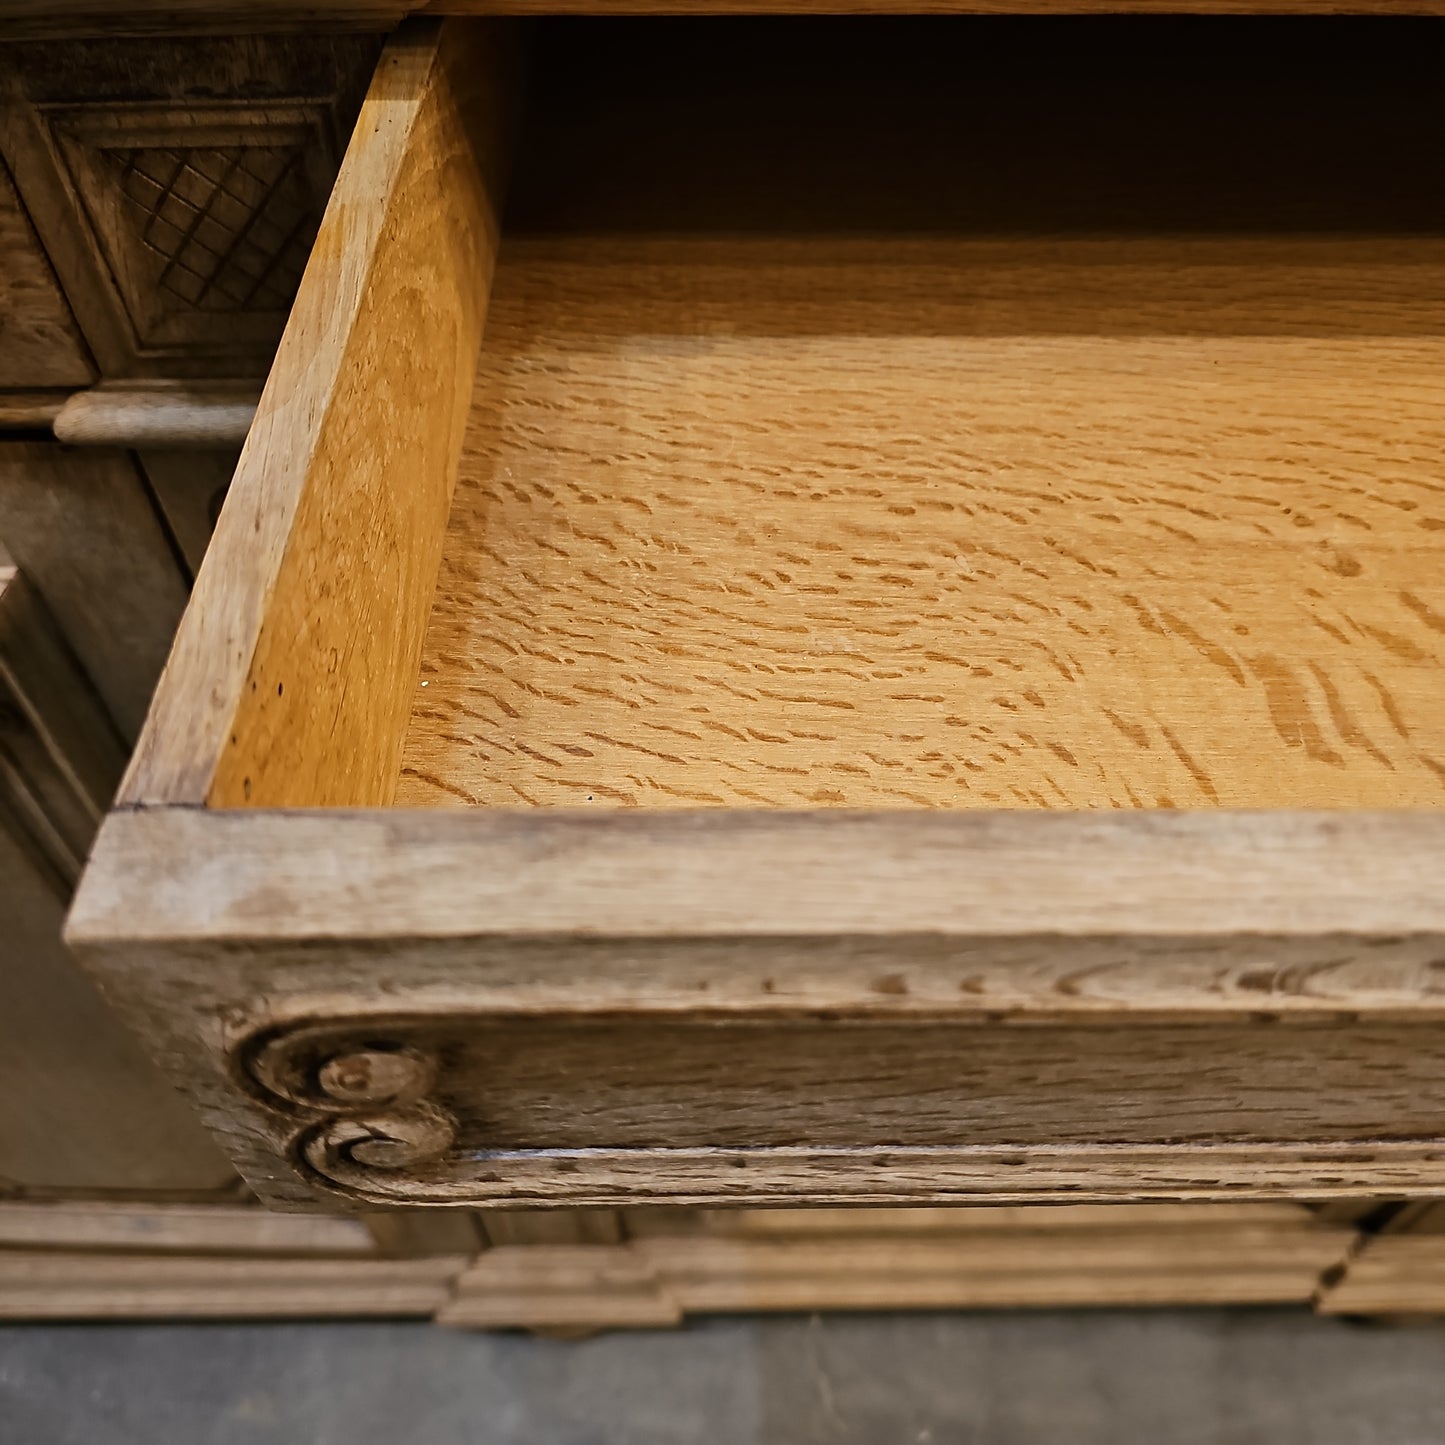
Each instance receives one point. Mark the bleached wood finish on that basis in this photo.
(675, 1264)
(306, 623)
(620, 926)
(83, 529)
(650, 1267)
(158, 416)
(191, 1229)
(713, 357)
(38, 1285)
(1259, 885)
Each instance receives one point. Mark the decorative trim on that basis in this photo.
(365, 1117)
(371, 1093)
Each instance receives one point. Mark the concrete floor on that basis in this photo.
(1243, 1377)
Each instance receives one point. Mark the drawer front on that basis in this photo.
(981, 975)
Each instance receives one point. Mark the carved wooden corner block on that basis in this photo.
(360, 1102)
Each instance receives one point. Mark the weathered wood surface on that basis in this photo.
(39, 343)
(673, 1263)
(409, 929)
(83, 528)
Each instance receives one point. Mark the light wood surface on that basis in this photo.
(795, 530)
(55, 1285)
(427, 931)
(856, 469)
(301, 642)
(159, 416)
(1393, 1274)
(73, 1225)
(719, 348)
(1226, 890)
(674, 1263)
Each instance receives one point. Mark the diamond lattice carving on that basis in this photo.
(229, 227)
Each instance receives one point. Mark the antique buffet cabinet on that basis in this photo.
(674, 661)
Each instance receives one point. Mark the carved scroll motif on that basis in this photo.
(366, 1099)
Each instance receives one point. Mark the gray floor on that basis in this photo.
(1241, 1377)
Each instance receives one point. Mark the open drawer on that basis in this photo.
(906, 665)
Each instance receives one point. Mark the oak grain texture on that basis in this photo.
(291, 674)
(1233, 923)
(853, 561)
(814, 462)
(569, 1083)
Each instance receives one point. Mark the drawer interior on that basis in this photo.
(875, 415)
(954, 413)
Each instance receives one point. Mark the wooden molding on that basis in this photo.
(675, 1264)
(1050, 969)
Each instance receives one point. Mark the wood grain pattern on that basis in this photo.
(560, 1083)
(192, 1229)
(292, 673)
(280, 921)
(181, 415)
(849, 470)
(39, 343)
(793, 525)
(1348, 906)
(1392, 1274)
(56, 1285)
(677, 1263)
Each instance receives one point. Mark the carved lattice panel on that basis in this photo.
(229, 227)
(203, 218)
